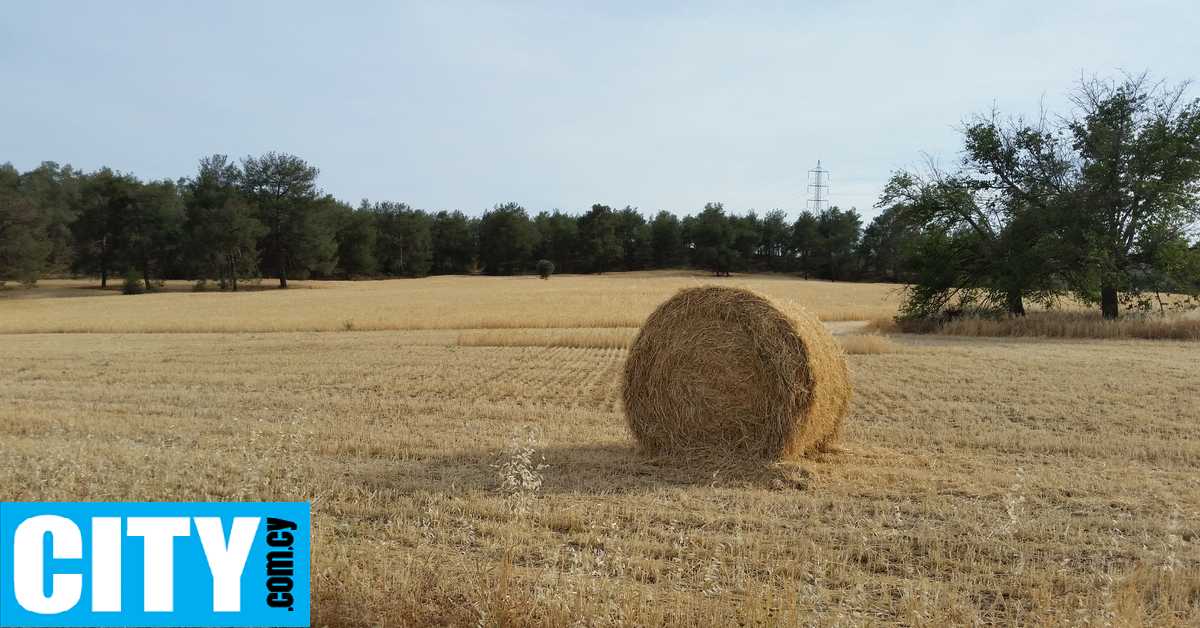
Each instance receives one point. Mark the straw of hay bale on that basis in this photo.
(731, 371)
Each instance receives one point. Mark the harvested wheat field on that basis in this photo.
(620, 300)
(484, 475)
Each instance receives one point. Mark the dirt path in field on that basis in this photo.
(841, 328)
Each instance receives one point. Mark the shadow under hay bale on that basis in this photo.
(733, 372)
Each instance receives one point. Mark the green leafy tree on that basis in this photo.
(545, 268)
(55, 190)
(714, 240)
(223, 225)
(838, 233)
(558, 239)
(600, 247)
(23, 242)
(1012, 199)
(153, 226)
(806, 241)
(747, 234)
(506, 236)
(357, 238)
(775, 239)
(404, 246)
(230, 233)
(975, 248)
(1100, 203)
(882, 245)
(106, 202)
(1137, 144)
(666, 240)
(633, 236)
(314, 248)
(454, 245)
(10, 177)
(301, 235)
(994, 232)
(951, 256)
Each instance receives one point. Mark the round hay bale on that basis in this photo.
(734, 372)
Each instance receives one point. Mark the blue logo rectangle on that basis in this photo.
(154, 564)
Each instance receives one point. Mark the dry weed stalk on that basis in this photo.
(520, 475)
(871, 344)
(1066, 324)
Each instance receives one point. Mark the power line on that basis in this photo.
(765, 185)
(778, 204)
(854, 161)
(766, 196)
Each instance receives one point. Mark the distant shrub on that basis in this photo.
(545, 268)
(201, 286)
(133, 283)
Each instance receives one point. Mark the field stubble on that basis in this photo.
(980, 482)
(1184, 325)
(453, 482)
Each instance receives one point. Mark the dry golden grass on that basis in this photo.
(565, 301)
(866, 344)
(980, 481)
(1080, 324)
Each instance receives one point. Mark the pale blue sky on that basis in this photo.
(462, 105)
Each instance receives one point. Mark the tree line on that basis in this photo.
(265, 217)
(1101, 205)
